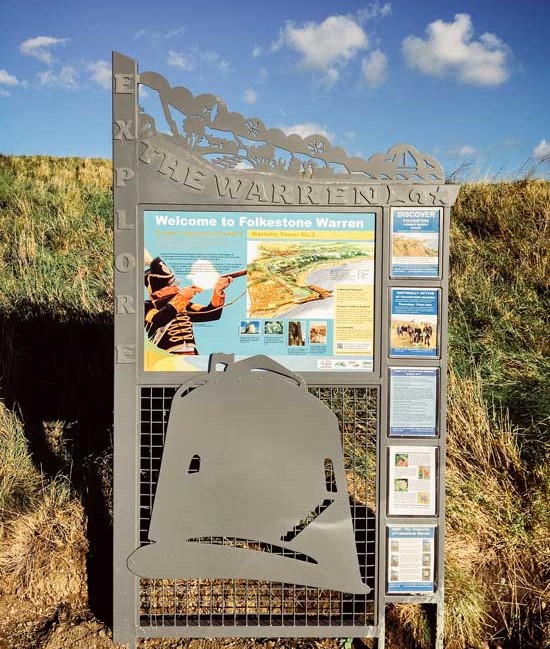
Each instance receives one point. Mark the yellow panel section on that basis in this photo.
(318, 235)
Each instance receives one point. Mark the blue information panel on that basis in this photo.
(415, 242)
(411, 559)
(413, 402)
(298, 287)
(414, 322)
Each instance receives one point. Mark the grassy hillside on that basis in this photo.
(55, 482)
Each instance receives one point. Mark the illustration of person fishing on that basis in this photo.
(170, 312)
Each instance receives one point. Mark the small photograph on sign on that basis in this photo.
(412, 480)
(415, 242)
(250, 327)
(413, 402)
(296, 334)
(414, 322)
(318, 333)
(411, 559)
(274, 327)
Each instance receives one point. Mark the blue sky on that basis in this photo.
(466, 81)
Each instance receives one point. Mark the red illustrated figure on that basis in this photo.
(170, 311)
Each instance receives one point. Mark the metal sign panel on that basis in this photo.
(292, 311)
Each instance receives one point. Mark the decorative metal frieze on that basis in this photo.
(204, 126)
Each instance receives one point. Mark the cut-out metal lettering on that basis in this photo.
(123, 174)
(125, 84)
(125, 262)
(123, 130)
(125, 304)
(121, 222)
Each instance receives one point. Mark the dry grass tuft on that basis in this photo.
(495, 567)
(43, 542)
(43, 555)
(19, 480)
(408, 627)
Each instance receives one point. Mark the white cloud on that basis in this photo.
(449, 50)
(39, 47)
(8, 79)
(101, 73)
(264, 74)
(256, 51)
(325, 47)
(4, 93)
(350, 135)
(67, 77)
(158, 36)
(375, 68)
(174, 32)
(307, 128)
(180, 60)
(193, 58)
(542, 150)
(374, 10)
(463, 151)
(250, 96)
(213, 58)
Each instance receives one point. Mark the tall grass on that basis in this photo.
(500, 297)
(498, 486)
(55, 241)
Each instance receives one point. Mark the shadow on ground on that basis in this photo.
(62, 372)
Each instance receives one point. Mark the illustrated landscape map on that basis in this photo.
(297, 279)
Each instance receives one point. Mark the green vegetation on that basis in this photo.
(55, 268)
(55, 242)
(498, 482)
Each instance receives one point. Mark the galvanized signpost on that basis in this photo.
(280, 375)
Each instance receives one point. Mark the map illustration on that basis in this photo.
(297, 279)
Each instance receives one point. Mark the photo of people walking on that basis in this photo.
(410, 334)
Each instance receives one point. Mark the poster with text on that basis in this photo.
(413, 402)
(298, 287)
(415, 241)
(412, 481)
(411, 551)
(414, 322)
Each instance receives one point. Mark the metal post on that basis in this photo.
(125, 506)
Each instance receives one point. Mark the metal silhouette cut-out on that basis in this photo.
(205, 128)
(252, 484)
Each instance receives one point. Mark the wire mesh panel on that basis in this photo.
(245, 602)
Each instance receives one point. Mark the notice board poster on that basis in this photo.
(414, 322)
(413, 402)
(411, 552)
(298, 287)
(412, 481)
(415, 241)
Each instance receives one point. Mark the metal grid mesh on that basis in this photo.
(234, 602)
